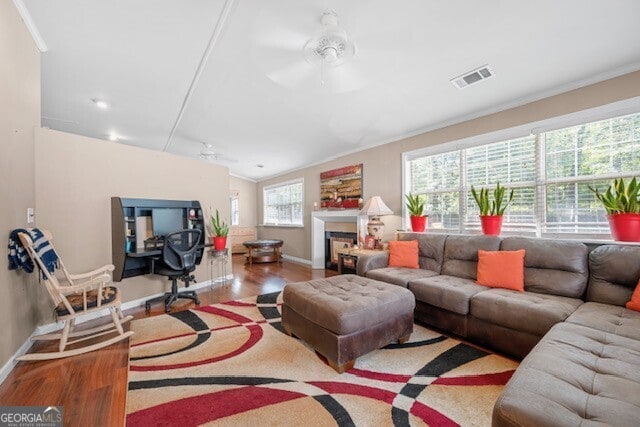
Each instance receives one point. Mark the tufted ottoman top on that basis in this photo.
(347, 303)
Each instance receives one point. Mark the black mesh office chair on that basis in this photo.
(179, 256)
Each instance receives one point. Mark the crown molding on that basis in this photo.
(31, 25)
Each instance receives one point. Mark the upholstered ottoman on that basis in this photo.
(344, 317)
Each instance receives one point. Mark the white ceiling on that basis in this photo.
(250, 100)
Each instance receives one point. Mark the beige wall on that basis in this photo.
(76, 177)
(382, 166)
(19, 114)
(248, 200)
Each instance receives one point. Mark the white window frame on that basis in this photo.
(616, 109)
(264, 203)
(235, 212)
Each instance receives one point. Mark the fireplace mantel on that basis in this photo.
(318, 220)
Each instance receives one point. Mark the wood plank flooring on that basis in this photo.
(92, 387)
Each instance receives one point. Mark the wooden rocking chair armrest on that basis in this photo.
(95, 272)
(86, 285)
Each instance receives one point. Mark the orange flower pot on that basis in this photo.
(491, 224)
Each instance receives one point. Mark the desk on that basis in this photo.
(158, 251)
(263, 251)
(348, 257)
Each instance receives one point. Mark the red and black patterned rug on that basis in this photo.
(231, 364)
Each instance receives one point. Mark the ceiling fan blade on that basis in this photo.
(283, 38)
(345, 78)
(293, 74)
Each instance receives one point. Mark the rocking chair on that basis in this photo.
(81, 294)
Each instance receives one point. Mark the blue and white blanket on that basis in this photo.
(18, 257)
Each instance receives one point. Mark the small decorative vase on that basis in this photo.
(491, 224)
(418, 223)
(219, 242)
(625, 227)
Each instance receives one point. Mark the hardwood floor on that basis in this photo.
(92, 387)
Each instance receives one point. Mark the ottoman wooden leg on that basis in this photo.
(341, 368)
(404, 339)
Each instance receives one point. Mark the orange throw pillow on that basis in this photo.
(403, 254)
(501, 269)
(634, 304)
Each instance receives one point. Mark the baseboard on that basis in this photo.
(296, 259)
(11, 363)
(54, 326)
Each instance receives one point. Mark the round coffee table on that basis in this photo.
(265, 250)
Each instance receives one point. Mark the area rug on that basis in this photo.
(232, 364)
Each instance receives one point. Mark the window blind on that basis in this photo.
(550, 173)
(283, 203)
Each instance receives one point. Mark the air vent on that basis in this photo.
(475, 76)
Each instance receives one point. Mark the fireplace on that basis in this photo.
(318, 221)
(334, 240)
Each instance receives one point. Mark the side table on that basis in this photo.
(218, 265)
(348, 258)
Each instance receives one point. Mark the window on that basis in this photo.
(235, 213)
(549, 171)
(284, 203)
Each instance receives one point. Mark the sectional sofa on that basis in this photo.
(581, 346)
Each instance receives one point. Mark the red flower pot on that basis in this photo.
(491, 224)
(219, 243)
(625, 227)
(418, 223)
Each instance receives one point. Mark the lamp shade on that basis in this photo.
(375, 207)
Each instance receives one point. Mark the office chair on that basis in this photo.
(179, 256)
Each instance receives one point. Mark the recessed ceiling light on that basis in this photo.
(103, 105)
(113, 137)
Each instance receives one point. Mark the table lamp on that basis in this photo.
(374, 208)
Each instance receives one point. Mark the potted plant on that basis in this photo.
(622, 203)
(491, 212)
(220, 232)
(415, 206)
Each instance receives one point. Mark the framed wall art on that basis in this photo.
(341, 188)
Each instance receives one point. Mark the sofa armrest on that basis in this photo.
(368, 262)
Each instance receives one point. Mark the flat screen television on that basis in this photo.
(166, 220)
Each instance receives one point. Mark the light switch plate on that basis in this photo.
(30, 215)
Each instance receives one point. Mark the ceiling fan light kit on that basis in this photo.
(331, 45)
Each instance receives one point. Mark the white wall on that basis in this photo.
(19, 114)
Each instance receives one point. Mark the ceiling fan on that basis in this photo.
(210, 153)
(291, 57)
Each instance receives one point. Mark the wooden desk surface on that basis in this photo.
(158, 251)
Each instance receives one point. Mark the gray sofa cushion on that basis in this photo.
(554, 267)
(608, 318)
(523, 311)
(431, 249)
(461, 254)
(615, 271)
(399, 275)
(575, 376)
(448, 292)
